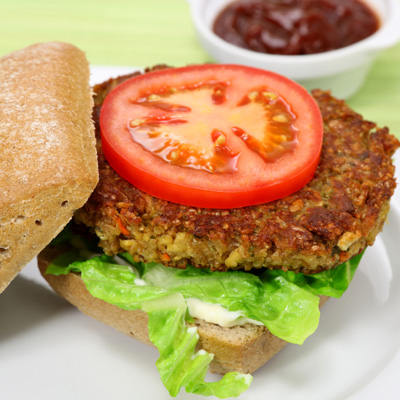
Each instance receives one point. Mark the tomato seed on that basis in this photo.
(280, 118)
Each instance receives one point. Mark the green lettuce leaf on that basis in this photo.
(287, 310)
(332, 283)
(179, 365)
(285, 302)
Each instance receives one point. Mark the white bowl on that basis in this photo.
(342, 71)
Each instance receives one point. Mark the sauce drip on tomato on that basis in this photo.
(160, 121)
(295, 26)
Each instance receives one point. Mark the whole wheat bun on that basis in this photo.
(48, 163)
(240, 348)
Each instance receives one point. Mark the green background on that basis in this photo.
(148, 32)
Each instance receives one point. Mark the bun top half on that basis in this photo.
(48, 161)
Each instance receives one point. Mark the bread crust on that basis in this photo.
(48, 163)
(240, 348)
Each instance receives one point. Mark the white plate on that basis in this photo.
(49, 350)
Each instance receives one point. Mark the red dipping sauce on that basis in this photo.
(293, 27)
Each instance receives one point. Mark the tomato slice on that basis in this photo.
(215, 136)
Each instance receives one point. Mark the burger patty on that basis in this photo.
(331, 219)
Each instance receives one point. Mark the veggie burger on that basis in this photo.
(230, 205)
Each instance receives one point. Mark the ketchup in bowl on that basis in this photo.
(294, 27)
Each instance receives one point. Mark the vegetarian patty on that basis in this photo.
(331, 219)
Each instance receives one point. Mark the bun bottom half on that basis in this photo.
(240, 348)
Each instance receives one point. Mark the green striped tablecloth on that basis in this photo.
(147, 32)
